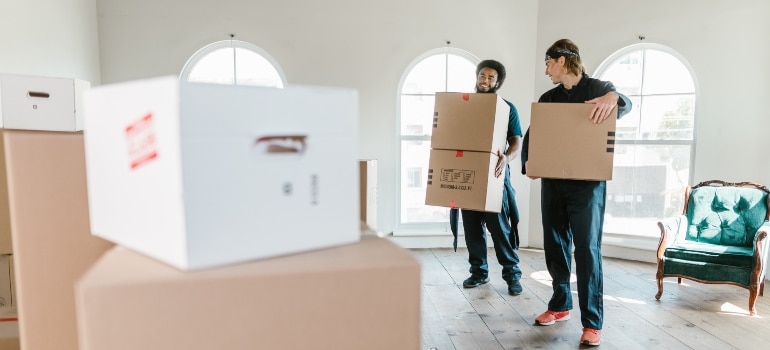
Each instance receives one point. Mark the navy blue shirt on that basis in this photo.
(514, 126)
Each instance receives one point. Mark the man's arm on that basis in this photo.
(607, 101)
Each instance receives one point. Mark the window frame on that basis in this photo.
(643, 240)
(184, 75)
(420, 228)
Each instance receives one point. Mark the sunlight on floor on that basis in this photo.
(734, 310)
(624, 300)
(545, 278)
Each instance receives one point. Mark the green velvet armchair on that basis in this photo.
(721, 237)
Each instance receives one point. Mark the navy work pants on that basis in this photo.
(499, 226)
(573, 214)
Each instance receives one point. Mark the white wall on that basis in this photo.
(56, 38)
(725, 42)
(362, 44)
(367, 44)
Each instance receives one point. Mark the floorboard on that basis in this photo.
(688, 316)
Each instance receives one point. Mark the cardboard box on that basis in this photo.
(6, 246)
(464, 179)
(358, 296)
(52, 241)
(470, 122)
(6, 284)
(41, 103)
(9, 329)
(565, 144)
(203, 175)
(13, 284)
(368, 192)
(9, 335)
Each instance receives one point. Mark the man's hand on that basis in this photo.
(502, 161)
(604, 106)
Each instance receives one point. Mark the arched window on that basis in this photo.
(233, 62)
(655, 142)
(438, 70)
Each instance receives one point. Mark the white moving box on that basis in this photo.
(41, 103)
(202, 175)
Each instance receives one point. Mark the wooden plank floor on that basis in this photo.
(688, 316)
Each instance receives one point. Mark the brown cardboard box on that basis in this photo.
(464, 179)
(6, 281)
(6, 247)
(368, 191)
(364, 295)
(9, 329)
(52, 239)
(565, 144)
(9, 335)
(470, 122)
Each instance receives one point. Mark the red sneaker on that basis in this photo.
(550, 317)
(591, 337)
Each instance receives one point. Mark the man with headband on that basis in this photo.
(573, 210)
(503, 226)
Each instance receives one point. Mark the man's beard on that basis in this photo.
(491, 90)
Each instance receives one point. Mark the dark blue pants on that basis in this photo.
(499, 226)
(573, 214)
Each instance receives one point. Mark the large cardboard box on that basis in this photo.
(470, 122)
(9, 329)
(565, 144)
(52, 240)
(464, 179)
(6, 247)
(203, 175)
(358, 296)
(368, 191)
(41, 103)
(6, 281)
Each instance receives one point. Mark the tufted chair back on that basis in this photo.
(725, 215)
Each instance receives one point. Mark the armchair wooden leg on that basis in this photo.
(659, 277)
(753, 299)
(679, 280)
(762, 288)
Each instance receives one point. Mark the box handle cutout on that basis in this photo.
(281, 145)
(38, 94)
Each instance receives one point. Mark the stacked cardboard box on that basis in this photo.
(52, 241)
(468, 131)
(359, 296)
(199, 184)
(7, 283)
(368, 192)
(9, 329)
(205, 175)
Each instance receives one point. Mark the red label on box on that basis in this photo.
(140, 140)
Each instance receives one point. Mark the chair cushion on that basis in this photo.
(712, 254)
(725, 215)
